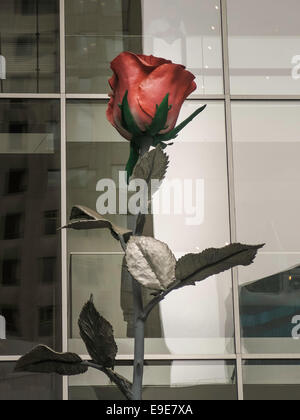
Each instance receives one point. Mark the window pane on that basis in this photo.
(29, 46)
(163, 381)
(96, 32)
(264, 46)
(27, 386)
(96, 152)
(266, 150)
(271, 380)
(187, 32)
(32, 127)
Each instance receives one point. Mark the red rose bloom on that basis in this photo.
(147, 80)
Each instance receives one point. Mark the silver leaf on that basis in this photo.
(152, 165)
(151, 262)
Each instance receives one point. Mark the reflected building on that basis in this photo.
(30, 249)
(29, 41)
(269, 305)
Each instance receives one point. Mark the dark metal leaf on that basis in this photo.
(196, 267)
(83, 218)
(44, 360)
(122, 383)
(152, 165)
(97, 333)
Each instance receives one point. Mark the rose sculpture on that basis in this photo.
(147, 95)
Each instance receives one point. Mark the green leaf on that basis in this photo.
(161, 116)
(152, 165)
(98, 336)
(196, 267)
(150, 262)
(44, 360)
(132, 161)
(128, 120)
(174, 133)
(83, 218)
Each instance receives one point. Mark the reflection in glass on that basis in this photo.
(271, 380)
(94, 152)
(29, 46)
(270, 313)
(27, 386)
(264, 47)
(187, 32)
(266, 150)
(96, 32)
(164, 381)
(29, 242)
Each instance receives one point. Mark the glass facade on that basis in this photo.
(189, 380)
(235, 336)
(264, 53)
(27, 387)
(271, 380)
(29, 43)
(30, 286)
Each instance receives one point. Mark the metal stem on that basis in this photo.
(138, 307)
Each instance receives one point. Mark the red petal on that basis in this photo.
(130, 72)
(150, 60)
(113, 81)
(114, 122)
(168, 78)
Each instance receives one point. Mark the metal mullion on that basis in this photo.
(64, 273)
(239, 378)
(95, 253)
(29, 96)
(231, 192)
(274, 356)
(9, 358)
(168, 357)
(265, 97)
(87, 96)
(62, 47)
(196, 97)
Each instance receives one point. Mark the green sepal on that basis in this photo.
(165, 145)
(174, 133)
(161, 116)
(128, 120)
(133, 159)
